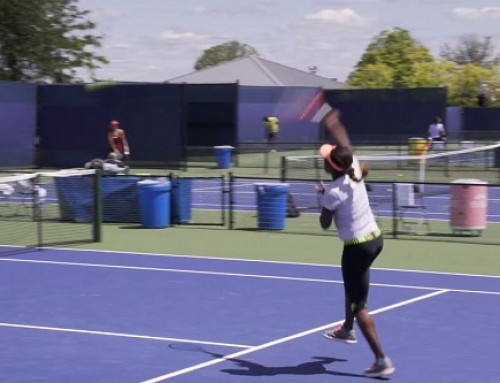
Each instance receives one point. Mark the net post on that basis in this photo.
(421, 172)
(97, 225)
(266, 160)
(283, 169)
(37, 204)
(447, 166)
(174, 186)
(231, 201)
(223, 200)
(394, 212)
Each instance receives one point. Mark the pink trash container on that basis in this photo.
(469, 206)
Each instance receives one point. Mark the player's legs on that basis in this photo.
(356, 262)
(271, 137)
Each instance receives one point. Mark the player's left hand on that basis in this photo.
(320, 187)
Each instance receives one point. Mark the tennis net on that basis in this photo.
(481, 162)
(49, 209)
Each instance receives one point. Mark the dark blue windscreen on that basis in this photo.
(388, 115)
(286, 103)
(18, 115)
(74, 122)
(481, 119)
(211, 114)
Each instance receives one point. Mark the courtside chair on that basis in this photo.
(410, 208)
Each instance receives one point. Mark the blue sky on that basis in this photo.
(155, 40)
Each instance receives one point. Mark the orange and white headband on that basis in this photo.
(325, 151)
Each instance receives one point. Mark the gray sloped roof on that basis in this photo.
(255, 71)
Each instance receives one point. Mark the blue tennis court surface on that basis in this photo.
(85, 316)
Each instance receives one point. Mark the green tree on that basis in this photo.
(376, 75)
(471, 49)
(396, 49)
(431, 74)
(224, 52)
(493, 87)
(465, 82)
(46, 40)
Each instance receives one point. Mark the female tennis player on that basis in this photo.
(118, 141)
(345, 201)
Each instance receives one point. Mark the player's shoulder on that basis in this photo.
(333, 187)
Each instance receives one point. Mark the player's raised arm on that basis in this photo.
(338, 131)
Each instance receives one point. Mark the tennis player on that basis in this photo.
(345, 202)
(118, 141)
(272, 125)
(437, 132)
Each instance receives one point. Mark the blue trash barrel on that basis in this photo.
(224, 156)
(182, 198)
(154, 202)
(271, 205)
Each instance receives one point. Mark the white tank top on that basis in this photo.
(349, 199)
(436, 131)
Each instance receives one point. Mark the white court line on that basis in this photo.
(120, 335)
(285, 339)
(202, 257)
(243, 260)
(207, 207)
(225, 274)
(208, 189)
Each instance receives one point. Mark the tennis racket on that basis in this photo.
(317, 108)
(290, 104)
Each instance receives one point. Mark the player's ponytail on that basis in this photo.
(352, 175)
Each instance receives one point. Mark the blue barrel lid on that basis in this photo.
(272, 186)
(155, 184)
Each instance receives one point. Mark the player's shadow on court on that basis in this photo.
(318, 366)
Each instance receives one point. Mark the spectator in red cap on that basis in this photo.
(118, 141)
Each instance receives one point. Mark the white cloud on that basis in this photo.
(174, 35)
(331, 39)
(344, 16)
(490, 13)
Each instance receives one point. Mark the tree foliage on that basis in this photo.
(394, 59)
(377, 75)
(46, 40)
(471, 49)
(395, 49)
(224, 52)
(431, 74)
(464, 85)
(492, 87)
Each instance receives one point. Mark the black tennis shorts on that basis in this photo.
(356, 262)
